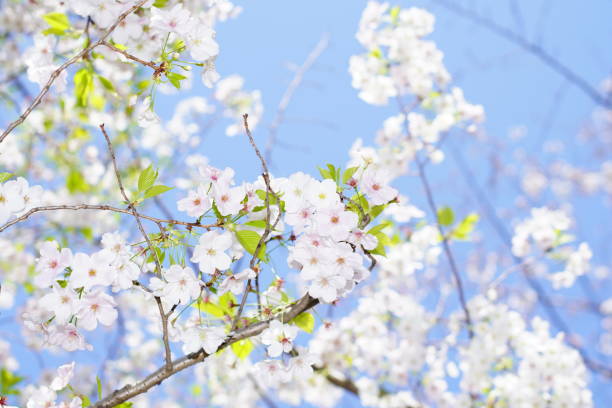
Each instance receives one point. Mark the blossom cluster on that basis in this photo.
(77, 298)
(400, 62)
(17, 197)
(546, 229)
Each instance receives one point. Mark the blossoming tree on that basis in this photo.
(216, 288)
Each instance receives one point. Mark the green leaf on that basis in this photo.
(465, 227)
(378, 228)
(58, 23)
(210, 308)
(304, 321)
(160, 3)
(75, 183)
(249, 240)
(99, 387)
(446, 216)
(108, 85)
(147, 178)
(394, 12)
(156, 190)
(85, 401)
(256, 223)
(348, 174)
(325, 173)
(226, 301)
(376, 210)
(5, 176)
(242, 348)
(383, 241)
(175, 79)
(83, 86)
(8, 381)
(125, 404)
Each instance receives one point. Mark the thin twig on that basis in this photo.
(532, 48)
(65, 65)
(164, 317)
(268, 229)
(127, 55)
(99, 207)
(445, 245)
(157, 377)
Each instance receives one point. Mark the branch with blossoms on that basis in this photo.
(296, 289)
(62, 68)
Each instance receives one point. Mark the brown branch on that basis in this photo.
(445, 245)
(127, 55)
(99, 207)
(163, 315)
(161, 374)
(268, 229)
(65, 65)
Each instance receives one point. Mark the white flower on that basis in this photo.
(96, 307)
(177, 20)
(89, 271)
(62, 301)
(210, 252)
(51, 263)
(207, 338)
(196, 203)
(201, 43)
(374, 185)
(180, 286)
(64, 374)
(323, 194)
(279, 337)
(235, 283)
(271, 372)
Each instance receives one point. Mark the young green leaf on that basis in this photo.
(83, 86)
(249, 240)
(304, 321)
(446, 216)
(99, 387)
(147, 178)
(58, 23)
(156, 190)
(108, 85)
(465, 227)
(5, 176)
(242, 348)
(348, 174)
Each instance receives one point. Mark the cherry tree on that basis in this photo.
(111, 220)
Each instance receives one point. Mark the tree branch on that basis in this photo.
(65, 65)
(163, 315)
(157, 377)
(99, 207)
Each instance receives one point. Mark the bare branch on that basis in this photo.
(163, 315)
(129, 391)
(65, 65)
(99, 207)
(445, 245)
(149, 64)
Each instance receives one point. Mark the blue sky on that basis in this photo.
(516, 89)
